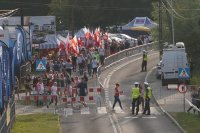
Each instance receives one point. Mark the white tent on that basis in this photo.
(50, 42)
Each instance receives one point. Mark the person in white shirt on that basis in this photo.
(102, 55)
(40, 87)
(54, 94)
(80, 62)
(94, 66)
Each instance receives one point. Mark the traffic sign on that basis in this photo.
(182, 88)
(183, 73)
(41, 65)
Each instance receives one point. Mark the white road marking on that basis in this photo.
(113, 125)
(85, 111)
(130, 117)
(118, 110)
(104, 82)
(149, 117)
(101, 110)
(120, 130)
(144, 117)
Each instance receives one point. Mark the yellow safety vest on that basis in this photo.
(135, 92)
(149, 92)
(145, 57)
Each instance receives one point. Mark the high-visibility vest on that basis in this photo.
(145, 57)
(148, 92)
(135, 92)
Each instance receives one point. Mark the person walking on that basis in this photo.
(83, 90)
(144, 61)
(135, 98)
(94, 67)
(68, 67)
(54, 94)
(147, 97)
(101, 55)
(74, 62)
(116, 96)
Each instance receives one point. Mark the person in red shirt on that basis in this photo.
(116, 96)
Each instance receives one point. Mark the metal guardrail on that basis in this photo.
(126, 53)
(192, 105)
(8, 116)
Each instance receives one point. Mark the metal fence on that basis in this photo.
(8, 117)
(112, 59)
(24, 70)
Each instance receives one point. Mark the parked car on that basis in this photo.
(132, 41)
(173, 59)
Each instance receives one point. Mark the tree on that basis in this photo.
(186, 16)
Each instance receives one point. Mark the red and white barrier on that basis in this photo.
(92, 92)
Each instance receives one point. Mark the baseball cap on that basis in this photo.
(146, 83)
(136, 83)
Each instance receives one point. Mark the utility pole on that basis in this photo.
(160, 28)
(172, 23)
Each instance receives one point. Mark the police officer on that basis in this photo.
(147, 96)
(135, 98)
(144, 61)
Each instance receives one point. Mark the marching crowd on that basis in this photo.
(64, 74)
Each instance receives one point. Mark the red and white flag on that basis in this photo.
(74, 43)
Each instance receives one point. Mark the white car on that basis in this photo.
(132, 41)
(115, 37)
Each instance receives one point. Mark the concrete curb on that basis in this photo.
(165, 112)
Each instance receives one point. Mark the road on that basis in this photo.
(118, 121)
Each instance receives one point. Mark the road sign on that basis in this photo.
(41, 65)
(182, 88)
(183, 73)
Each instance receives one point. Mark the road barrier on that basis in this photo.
(93, 92)
(8, 116)
(192, 105)
(113, 59)
(93, 95)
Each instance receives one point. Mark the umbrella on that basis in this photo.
(140, 28)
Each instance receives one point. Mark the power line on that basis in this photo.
(178, 14)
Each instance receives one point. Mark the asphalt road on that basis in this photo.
(118, 121)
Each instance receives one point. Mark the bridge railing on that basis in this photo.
(112, 59)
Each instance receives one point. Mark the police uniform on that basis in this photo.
(135, 98)
(144, 61)
(147, 96)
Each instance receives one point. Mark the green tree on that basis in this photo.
(186, 16)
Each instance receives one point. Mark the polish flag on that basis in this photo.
(87, 34)
(74, 43)
(80, 42)
(67, 44)
(60, 43)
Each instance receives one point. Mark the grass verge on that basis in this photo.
(189, 122)
(36, 123)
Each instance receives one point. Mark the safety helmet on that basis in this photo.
(146, 83)
(144, 51)
(136, 83)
